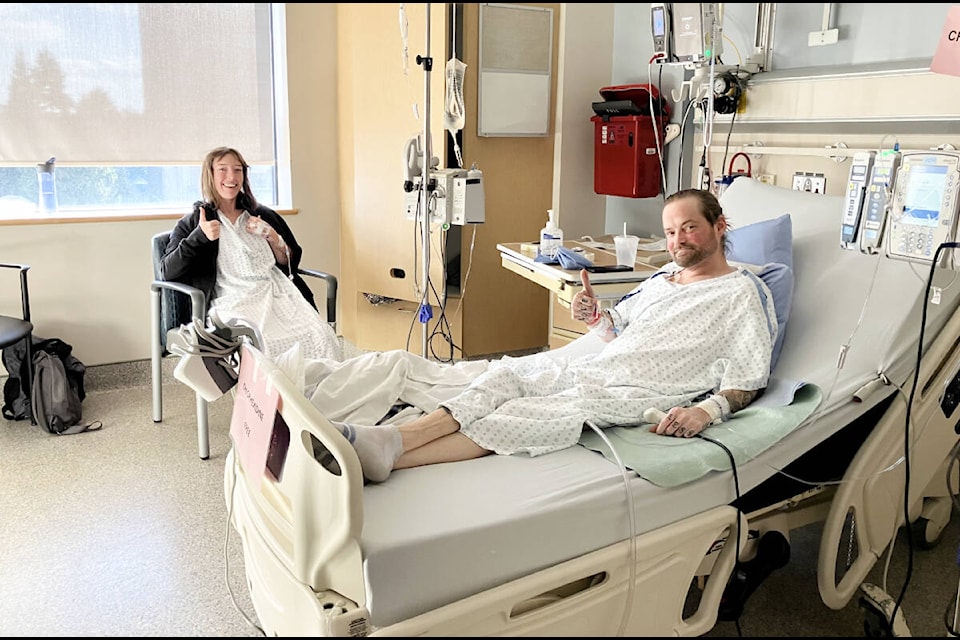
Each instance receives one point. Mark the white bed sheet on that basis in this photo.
(435, 534)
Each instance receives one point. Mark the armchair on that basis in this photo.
(14, 329)
(174, 304)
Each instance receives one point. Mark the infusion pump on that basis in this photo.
(924, 206)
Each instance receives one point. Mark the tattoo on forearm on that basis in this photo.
(738, 399)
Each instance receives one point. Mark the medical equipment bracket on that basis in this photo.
(839, 152)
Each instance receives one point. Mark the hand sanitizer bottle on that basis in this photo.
(551, 237)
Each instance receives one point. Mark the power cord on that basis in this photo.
(631, 587)
(736, 490)
(226, 557)
(906, 428)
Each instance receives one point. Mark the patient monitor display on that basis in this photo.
(660, 28)
(923, 214)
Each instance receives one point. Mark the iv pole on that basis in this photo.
(425, 311)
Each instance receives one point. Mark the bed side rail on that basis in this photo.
(312, 517)
(869, 502)
(586, 596)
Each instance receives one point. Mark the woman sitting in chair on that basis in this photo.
(244, 257)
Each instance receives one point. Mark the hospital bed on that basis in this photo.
(511, 545)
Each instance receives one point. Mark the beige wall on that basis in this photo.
(90, 281)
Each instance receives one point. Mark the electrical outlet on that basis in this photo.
(812, 182)
(767, 178)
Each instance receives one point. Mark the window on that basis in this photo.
(128, 98)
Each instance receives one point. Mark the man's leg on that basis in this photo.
(382, 449)
(450, 448)
(427, 428)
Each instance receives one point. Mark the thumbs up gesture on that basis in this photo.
(210, 227)
(584, 306)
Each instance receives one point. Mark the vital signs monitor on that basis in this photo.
(923, 213)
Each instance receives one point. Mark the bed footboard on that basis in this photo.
(305, 525)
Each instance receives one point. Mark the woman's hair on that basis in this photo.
(708, 206)
(246, 199)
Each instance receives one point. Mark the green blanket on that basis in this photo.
(668, 461)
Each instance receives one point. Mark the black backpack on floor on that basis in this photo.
(57, 389)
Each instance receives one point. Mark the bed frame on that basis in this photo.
(307, 579)
(304, 560)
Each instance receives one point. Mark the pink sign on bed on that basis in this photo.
(254, 413)
(947, 57)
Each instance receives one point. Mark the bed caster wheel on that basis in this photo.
(927, 530)
(877, 608)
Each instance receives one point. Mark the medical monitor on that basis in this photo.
(923, 214)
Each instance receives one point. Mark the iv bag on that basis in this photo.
(454, 111)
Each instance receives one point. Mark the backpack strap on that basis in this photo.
(96, 425)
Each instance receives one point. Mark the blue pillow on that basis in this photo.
(768, 245)
(779, 279)
(763, 242)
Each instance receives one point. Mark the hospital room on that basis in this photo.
(393, 405)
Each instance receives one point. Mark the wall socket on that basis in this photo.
(813, 182)
(767, 178)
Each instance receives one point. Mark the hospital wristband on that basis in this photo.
(602, 323)
(716, 406)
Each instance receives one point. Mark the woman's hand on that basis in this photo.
(259, 227)
(210, 228)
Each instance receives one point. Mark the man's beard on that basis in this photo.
(691, 256)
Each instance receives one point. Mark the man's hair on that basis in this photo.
(245, 200)
(708, 206)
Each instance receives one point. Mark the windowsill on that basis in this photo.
(71, 217)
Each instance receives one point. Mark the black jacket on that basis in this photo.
(190, 258)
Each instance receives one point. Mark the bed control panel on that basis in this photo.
(923, 212)
(951, 398)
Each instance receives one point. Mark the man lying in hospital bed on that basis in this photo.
(700, 327)
(535, 545)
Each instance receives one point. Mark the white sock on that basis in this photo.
(377, 447)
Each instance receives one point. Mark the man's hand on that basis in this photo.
(584, 306)
(681, 422)
(210, 228)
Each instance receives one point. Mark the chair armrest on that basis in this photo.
(198, 300)
(331, 290)
(24, 290)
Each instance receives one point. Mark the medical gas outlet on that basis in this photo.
(454, 197)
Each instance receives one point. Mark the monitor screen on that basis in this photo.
(659, 28)
(924, 193)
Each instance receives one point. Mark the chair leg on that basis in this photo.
(203, 428)
(156, 359)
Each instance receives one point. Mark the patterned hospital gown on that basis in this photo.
(251, 287)
(676, 342)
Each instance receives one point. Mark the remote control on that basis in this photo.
(654, 416)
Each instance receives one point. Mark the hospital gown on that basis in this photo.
(251, 287)
(678, 342)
